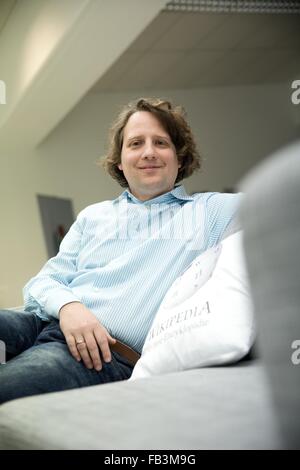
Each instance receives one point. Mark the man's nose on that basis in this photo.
(149, 150)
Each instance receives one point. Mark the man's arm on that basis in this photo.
(49, 293)
(49, 290)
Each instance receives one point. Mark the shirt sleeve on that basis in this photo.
(223, 216)
(49, 290)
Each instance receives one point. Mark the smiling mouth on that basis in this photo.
(149, 167)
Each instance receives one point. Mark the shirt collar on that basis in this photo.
(178, 192)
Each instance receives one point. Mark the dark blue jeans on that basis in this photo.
(39, 360)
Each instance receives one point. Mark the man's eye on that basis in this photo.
(162, 142)
(135, 143)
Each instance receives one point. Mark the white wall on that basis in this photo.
(52, 53)
(235, 128)
(29, 38)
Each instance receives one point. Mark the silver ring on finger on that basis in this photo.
(80, 341)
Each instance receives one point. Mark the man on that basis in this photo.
(88, 311)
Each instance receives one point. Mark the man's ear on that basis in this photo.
(120, 166)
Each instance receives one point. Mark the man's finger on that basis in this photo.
(84, 353)
(102, 340)
(93, 350)
(70, 340)
(111, 340)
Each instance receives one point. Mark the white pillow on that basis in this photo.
(206, 317)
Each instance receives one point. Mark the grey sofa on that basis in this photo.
(250, 405)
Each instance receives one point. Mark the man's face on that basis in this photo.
(148, 157)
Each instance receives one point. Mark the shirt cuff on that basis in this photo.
(57, 300)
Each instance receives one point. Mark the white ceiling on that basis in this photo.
(189, 50)
(6, 7)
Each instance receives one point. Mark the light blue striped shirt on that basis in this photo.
(120, 257)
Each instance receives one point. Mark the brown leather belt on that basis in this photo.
(130, 354)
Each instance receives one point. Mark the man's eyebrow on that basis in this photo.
(157, 136)
(134, 137)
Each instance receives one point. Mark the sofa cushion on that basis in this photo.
(272, 254)
(210, 408)
(206, 317)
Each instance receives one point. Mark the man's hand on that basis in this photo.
(85, 335)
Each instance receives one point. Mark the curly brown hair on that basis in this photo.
(173, 120)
